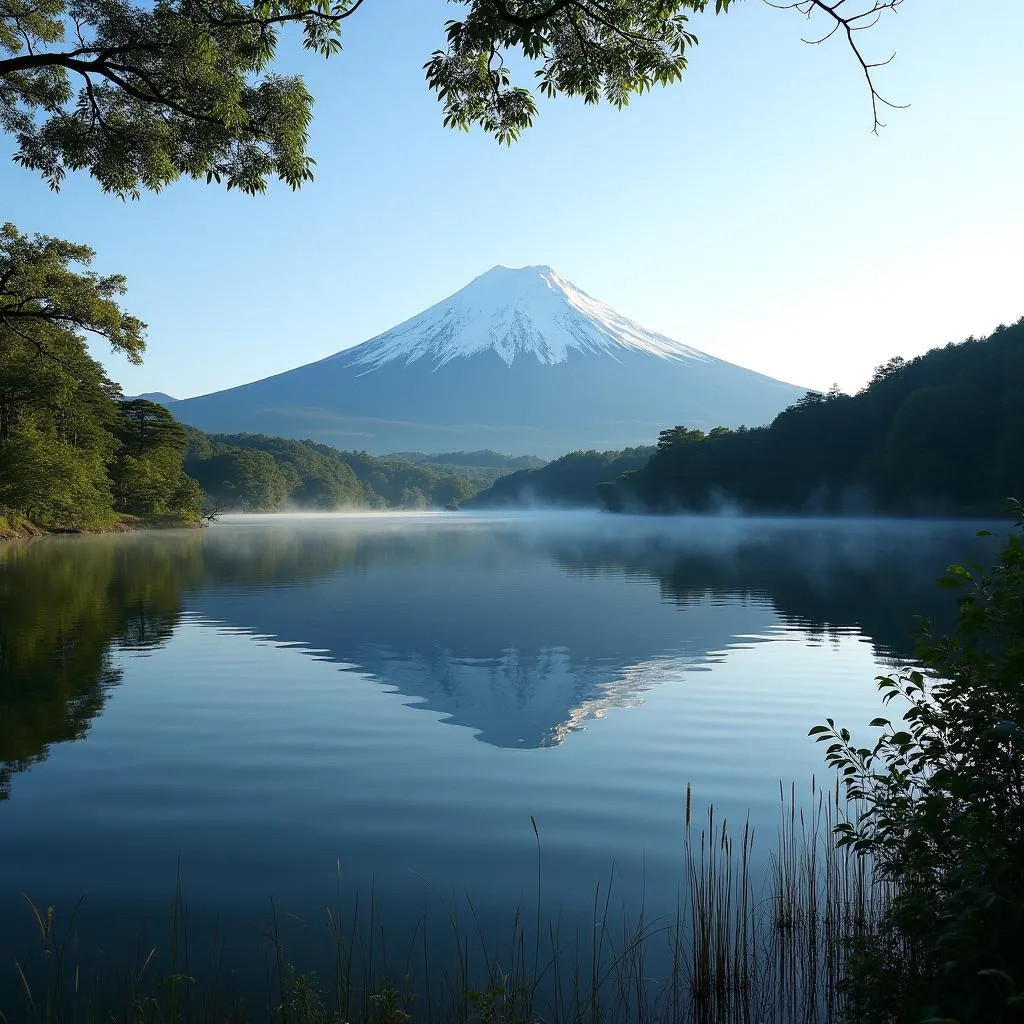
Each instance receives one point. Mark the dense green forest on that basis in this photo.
(255, 473)
(73, 452)
(570, 481)
(394, 484)
(939, 434)
(481, 467)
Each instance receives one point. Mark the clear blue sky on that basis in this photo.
(747, 211)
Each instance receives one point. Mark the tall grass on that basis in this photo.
(777, 954)
(750, 941)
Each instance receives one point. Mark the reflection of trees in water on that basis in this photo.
(826, 580)
(64, 605)
(67, 603)
(283, 552)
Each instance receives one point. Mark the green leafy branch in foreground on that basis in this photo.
(942, 793)
(141, 95)
(48, 293)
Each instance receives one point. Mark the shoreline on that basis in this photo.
(27, 530)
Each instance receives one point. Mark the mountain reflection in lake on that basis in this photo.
(276, 693)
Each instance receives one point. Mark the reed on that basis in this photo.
(750, 941)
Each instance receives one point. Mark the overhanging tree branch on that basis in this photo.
(152, 92)
(849, 24)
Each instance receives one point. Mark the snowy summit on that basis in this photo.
(532, 311)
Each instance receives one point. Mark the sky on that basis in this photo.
(747, 211)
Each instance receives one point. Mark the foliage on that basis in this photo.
(72, 454)
(256, 473)
(608, 51)
(481, 468)
(242, 479)
(398, 484)
(681, 435)
(147, 474)
(938, 434)
(141, 95)
(46, 286)
(572, 480)
(939, 808)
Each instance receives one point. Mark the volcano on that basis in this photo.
(519, 361)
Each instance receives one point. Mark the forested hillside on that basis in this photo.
(569, 482)
(481, 467)
(940, 434)
(394, 484)
(255, 473)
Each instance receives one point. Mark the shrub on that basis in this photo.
(939, 808)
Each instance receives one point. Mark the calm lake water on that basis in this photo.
(305, 707)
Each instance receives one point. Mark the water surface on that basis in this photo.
(304, 707)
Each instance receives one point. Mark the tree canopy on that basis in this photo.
(73, 453)
(47, 294)
(142, 94)
(940, 433)
(256, 473)
(571, 481)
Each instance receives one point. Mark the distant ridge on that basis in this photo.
(518, 361)
(154, 396)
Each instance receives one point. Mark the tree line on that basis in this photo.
(568, 482)
(256, 473)
(939, 434)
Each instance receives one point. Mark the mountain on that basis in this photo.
(160, 397)
(518, 361)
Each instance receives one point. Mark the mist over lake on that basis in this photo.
(306, 707)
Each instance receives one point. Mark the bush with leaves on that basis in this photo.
(939, 808)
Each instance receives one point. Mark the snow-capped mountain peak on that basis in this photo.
(519, 361)
(519, 313)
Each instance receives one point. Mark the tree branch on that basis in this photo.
(282, 19)
(849, 24)
(527, 22)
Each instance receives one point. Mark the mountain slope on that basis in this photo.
(518, 361)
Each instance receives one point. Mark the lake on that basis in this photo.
(303, 708)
